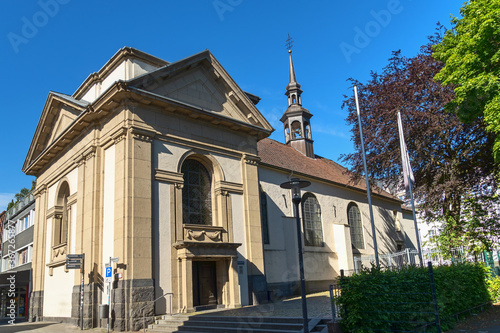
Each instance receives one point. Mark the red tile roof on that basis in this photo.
(276, 154)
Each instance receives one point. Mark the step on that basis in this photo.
(297, 320)
(206, 329)
(228, 324)
(232, 324)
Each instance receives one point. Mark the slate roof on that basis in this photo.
(275, 154)
(69, 98)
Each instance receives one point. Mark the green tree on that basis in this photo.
(470, 51)
(449, 158)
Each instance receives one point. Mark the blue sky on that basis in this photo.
(55, 44)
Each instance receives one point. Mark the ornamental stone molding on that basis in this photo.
(203, 233)
(40, 190)
(251, 159)
(141, 134)
(119, 135)
(228, 187)
(169, 176)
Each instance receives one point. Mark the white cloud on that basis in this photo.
(5, 198)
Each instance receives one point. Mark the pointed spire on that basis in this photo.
(293, 88)
(292, 70)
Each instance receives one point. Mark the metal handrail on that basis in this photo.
(152, 302)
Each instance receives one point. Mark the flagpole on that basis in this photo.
(367, 181)
(416, 226)
(406, 175)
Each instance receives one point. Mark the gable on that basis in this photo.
(62, 121)
(59, 113)
(201, 81)
(194, 87)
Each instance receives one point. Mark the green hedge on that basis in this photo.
(401, 300)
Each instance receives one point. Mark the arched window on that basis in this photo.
(354, 220)
(294, 99)
(296, 130)
(62, 216)
(307, 130)
(311, 212)
(196, 194)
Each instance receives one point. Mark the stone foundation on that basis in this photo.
(128, 297)
(36, 306)
(283, 289)
(257, 287)
(91, 300)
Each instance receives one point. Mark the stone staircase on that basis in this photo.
(228, 324)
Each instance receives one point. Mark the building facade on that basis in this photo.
(167, 167)
(16, 255)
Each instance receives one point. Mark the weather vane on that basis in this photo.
(289, 43)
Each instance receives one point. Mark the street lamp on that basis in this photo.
(295, 185)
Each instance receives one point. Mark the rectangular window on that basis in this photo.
(397, 223)
(23, 257)
(263, 214)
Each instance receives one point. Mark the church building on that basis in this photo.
(168, 168)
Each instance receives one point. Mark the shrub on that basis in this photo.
(401, 299)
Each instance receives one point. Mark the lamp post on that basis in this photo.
(295, 185)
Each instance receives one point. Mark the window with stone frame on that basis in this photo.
(61, 220)
(356, 226)
(311, 213)
(196, 193)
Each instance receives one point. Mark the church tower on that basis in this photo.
(296, 119)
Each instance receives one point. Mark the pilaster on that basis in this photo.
(253, 235)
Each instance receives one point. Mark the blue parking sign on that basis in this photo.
(109, 271)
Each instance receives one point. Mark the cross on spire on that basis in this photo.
(289, 43)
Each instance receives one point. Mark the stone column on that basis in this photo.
(234, 288)
(38, 262)
(133, 229)
(187, 284)
(177, 234)
(253, 236)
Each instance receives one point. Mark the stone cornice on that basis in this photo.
(190, 244)
(123, 54)
(169, 176)
(40, 190)
(230, 187)
(142, 134)
(251, 159)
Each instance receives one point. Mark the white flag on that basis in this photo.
(407, 172)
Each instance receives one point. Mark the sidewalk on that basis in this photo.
(42, 326)
(318, 306)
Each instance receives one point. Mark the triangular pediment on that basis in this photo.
(62, 121)
(59, 113)
(194, 87)
(202, 82)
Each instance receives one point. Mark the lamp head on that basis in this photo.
(295, 184)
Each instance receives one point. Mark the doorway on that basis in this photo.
(204, 283)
